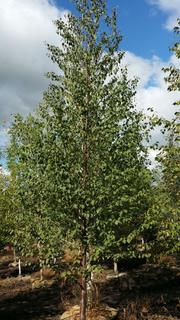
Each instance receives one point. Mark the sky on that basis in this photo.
(25, 26)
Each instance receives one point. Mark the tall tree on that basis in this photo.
(170, 157)
(163, 216)
(80, 160)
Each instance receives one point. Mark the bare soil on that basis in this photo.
(149, 292)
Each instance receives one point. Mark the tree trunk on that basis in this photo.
(115, 267)
(90, 291)
(14, 255)
(83, 303)
(85, 148)
(83, 306)
(41, 274)
(19, 267)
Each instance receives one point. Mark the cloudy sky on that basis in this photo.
(25, 25)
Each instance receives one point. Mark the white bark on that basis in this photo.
(41, 274)
(115, 267)
(19, 267)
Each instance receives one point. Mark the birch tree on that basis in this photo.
(81, 158)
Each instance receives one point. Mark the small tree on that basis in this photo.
(80, 160)
(4, 204)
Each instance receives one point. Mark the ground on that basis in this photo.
(149, 292)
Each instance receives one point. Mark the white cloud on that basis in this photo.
(152, 157)
(3, 137)
(171, 8)
(147, 70)
(152, 89)
(25, 25)
(4, 171)
(158, 98)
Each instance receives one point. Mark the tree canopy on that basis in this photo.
(80, 161)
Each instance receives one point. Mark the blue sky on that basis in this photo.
(25, 25)
(142, 26)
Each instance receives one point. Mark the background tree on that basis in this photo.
(173, 77)
(163, 217)
(80, 159)
(4, 204)
(170, 156)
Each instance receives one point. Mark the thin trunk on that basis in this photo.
(85, 148)
(41, 274)
(19, 267)
(14, 255)
(115, 267)
(97, 293)
(83, 304)
(39, 246)
(90, 292)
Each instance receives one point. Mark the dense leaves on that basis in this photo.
(80, 159)
(163, 217)
(80, 162)
(173, 78)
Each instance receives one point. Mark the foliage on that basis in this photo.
(173, 78)
(8, 209)
(163, 216)
(80, 160)
(170, 155)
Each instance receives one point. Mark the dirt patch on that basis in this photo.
(19, 301)
(147, 293)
